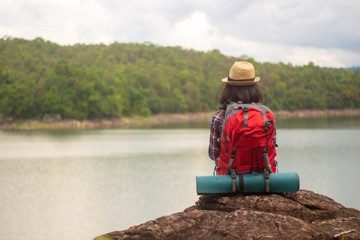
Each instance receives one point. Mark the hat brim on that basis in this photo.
(241, 83)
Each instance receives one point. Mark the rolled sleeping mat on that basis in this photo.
(250, 183)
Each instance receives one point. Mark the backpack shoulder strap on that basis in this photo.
(230, 110)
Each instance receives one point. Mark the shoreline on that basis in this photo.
(153, 120)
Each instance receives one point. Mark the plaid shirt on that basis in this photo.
(215, 131)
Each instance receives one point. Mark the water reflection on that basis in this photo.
(319, 123)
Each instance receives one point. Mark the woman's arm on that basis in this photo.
(214, 143)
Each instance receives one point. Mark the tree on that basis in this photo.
(93, 81)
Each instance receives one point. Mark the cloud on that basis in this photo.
(195, 31)
(296, 31)
(329, 24)
(64, 22)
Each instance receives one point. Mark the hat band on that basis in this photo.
(241, 80)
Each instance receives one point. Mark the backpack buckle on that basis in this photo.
(266, 125)
(233, 179)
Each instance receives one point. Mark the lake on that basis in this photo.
(80, 184)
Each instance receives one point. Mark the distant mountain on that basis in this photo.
(354, 68)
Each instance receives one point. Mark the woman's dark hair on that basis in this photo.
(246, 94)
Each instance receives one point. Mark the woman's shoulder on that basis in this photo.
(219, 112)
(218, 116)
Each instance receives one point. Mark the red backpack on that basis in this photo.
(248, 140)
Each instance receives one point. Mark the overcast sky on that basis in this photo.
(325, 32)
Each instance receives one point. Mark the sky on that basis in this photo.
(325, 32)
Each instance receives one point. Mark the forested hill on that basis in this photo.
(94, 81)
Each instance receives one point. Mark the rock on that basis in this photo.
(301, 215)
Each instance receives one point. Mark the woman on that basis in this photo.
(241, 87)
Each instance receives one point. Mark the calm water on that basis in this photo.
(81, 184)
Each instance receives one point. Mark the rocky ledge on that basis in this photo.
(301, 215)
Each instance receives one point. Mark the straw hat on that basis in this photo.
(241, 73)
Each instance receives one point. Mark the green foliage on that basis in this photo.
(39, 77)
(288, 87)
